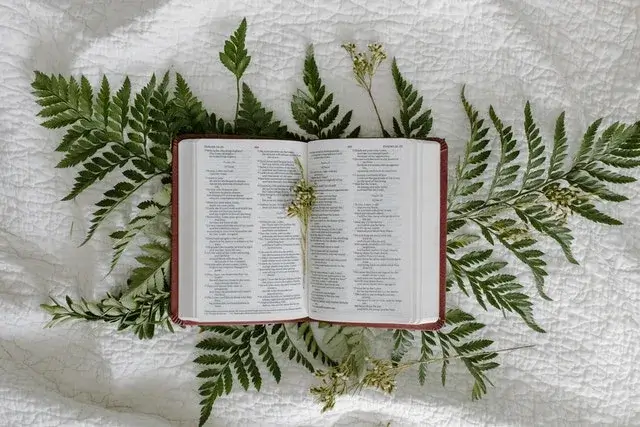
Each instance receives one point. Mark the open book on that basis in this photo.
(376, 238)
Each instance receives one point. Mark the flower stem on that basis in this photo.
(375, 107)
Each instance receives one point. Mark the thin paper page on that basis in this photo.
(429, 208)
(361, 263)
(249, 266)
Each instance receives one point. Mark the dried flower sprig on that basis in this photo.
(365, 65)
(304, 197)
(380, 374)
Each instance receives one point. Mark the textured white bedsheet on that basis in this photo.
(575, 55)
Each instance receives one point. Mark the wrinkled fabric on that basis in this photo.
(578, 56)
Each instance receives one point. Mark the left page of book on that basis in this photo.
(246, 258)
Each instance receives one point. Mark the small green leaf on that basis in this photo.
(234, 56)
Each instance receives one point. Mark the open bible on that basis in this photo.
(376, 236)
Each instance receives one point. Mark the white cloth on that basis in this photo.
(576, 55)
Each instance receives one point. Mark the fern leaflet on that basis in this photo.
(314, 110)
(413, 123)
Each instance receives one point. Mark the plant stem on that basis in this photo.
(235, 120)
(375, 107)
(304, 225)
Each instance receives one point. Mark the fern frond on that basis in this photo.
(427, 343)
(532, 177)
(61, 107)
(559, 151)
(221, 362)
(261, 335)
(473, 164)
(235, 56)
(255, 120)
(220, 126)
(543, 219)
(314, 110)
(188, 115)
(489, 284)
(414, 122)
(151, 211)
(402, 342)
(505, 172)
(454, 340)
(154, 268)
(114, 198)
(288, 346)
(141, 314)
(519, 241)
(305, 332)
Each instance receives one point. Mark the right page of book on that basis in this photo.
(367, 257)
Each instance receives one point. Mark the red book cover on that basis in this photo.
(175, 247)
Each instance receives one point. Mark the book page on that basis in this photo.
(361, 265)
(248, 253)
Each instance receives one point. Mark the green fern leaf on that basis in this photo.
(427, 342)
(460, 326)
(220, 380)
(473, 164)
(262, 339)
(153, 271)
(588, 211)
(220, 126)
(52, 94)
(584, 153)
(484, 277)
(460, 241)
(559, 151)
(591, 185)
(532, 176)
(151, 211)
(162, 130)
(255, 120)
(607, 175)
(140, 314)
(505, 172)
(543, 220)
(188, 115)
(252, 368)
(313, 110)
(414, 122)
(234, 56)
(402, 342)
(305, 332)
(112, 198)
(288, 346)
(140, 119)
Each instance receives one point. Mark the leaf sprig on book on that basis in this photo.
(504, 192)
(301, 207)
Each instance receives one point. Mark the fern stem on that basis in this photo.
(406, 365)
(470, 214)
(235, 120)
(375, 107)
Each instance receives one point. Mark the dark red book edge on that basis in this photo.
(173, 311)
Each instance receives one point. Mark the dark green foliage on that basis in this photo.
(517, 209)
(414, 122)
(255, 120)
(496, 198)
(141, 313)
(235, 56)
(453, 342)
(314, 110)
(402, 342)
